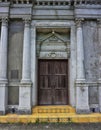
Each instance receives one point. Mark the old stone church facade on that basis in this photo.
(50, 54)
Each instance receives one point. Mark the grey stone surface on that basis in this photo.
(13, 95)
(42, 28)
(26, 62)
(93, 95)
(2, 112)
(3, 65)
(3, 98)
(15, 49)
(82, 99)
(49, 126)
(72, 66)
(99, 52)
(34, 65)
(53, 44)
(91, 49)
(3, 49)
(55, 15)
(25, 97)
(24, 112)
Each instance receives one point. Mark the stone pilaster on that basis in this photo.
(3, 65)
(25, 86)
(81, 86)
(34, 64)
(72, 68)
(99, 80)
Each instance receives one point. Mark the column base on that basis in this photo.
(3, 81)
(24, 111)
(80, 81)
(82, 98)
(100, 109)
(25, 98)
(99, 84)
(3, 96)
(82, 111)
(2, 112)
(26, 81)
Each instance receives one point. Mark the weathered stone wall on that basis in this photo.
(15, 60)
(0, 30)
(91, 62)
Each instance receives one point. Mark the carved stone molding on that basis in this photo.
(54, 3)
(53, 46)
(4, 21)
(27, 22)
(22, 1)
(79, 21)
(86, 2)
(99, 22)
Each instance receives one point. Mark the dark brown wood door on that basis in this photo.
(53, 82)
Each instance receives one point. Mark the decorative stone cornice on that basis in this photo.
(86, 2)
(79, 21)
(22, 1)
(17, 1)
(53, 2)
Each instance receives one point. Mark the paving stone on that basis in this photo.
(68, 126)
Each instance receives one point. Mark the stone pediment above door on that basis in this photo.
(53, 46)
(53, 37)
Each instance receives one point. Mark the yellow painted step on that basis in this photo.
(52, 114)
(55, 117)
(53, 109)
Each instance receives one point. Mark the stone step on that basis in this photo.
(51, 118)
(52, 114)
(53, 109)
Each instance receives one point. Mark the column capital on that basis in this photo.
(79, 21)
(27, 21)
(26, 77)
(4, 21)
(99, 22)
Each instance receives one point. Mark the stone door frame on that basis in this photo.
(72, 60)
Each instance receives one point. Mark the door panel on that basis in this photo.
(53, 82)
(60, 97)
(45, 97)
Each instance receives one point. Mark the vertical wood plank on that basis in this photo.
(53, 82)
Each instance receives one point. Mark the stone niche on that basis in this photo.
(53, 43)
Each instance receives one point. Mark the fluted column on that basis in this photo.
(3, 50)
(80, 51)
(3, 65)
(81, 86)
(25, 87)
(26, 76)
(99, 80)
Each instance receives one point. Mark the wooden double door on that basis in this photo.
(53, 82)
